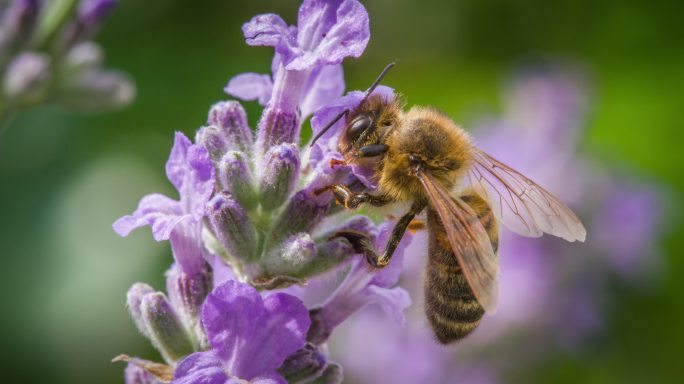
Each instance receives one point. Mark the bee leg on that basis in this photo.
(352, 200)
(361, 243)
(396, 235)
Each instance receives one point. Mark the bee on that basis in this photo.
(421, 157)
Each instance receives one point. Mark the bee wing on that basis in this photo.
(469, 242)
(521, 204)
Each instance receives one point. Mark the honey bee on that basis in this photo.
(423, 158)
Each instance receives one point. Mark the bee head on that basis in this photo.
(367, 126)
(362, 121)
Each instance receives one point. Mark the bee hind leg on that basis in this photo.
(351, 200)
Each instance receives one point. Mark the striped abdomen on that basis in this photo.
(450, 306)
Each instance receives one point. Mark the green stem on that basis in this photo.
(57, 12)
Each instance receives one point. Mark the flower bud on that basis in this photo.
(90, 17)
(186, 294)
(277, 126)
(94, 12)
(293, 255)
(279, 175)
(134, 299)
(212, 139)
(27, 78)
(96, 90)
(231, 119)
(83, 57)
(304, 365)
(300, 215)
(17, 24)
(235, 177)
(166, 331)
(332, 374)
(231, 226)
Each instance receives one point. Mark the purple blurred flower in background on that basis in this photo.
(46, 58)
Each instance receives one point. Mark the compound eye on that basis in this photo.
(359, 125)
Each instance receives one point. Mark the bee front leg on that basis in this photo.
(352, 200)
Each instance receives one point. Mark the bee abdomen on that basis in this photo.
(451, 308)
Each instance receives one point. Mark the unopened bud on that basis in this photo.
(17, 24)
(301, 214)
(235, 176)
(332, 374)
(166, 331)
(95, 90)
(84, 56)
(186, 294)
(231, 119)
(277, 126)
(27, 78)
(279, 175)
(95, 11)
(231, 226)
(212, 139)
(303, 365)
(134, 299)
(293, 255)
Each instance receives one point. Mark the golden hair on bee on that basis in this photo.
(422, 157)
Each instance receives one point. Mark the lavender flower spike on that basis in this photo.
(190, 170)
(326, 33)
(250, 337)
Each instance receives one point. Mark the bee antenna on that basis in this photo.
(378, 80)
(343, 113)
(330, 124)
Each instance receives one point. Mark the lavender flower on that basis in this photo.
(190, 170)
(46, 57)
(248, 212)
(250, 337)
(326, 33)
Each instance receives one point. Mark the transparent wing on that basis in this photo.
(469, 242)
(519, 203)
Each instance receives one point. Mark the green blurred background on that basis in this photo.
(64, 179)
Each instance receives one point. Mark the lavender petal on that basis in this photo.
(200, 368)
(250, 335)
(251, 86)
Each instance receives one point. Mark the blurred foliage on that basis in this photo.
(64, 179)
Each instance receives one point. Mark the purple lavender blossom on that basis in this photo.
(190, 170)
(250, 337)
(50, 60)
(326, 33)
